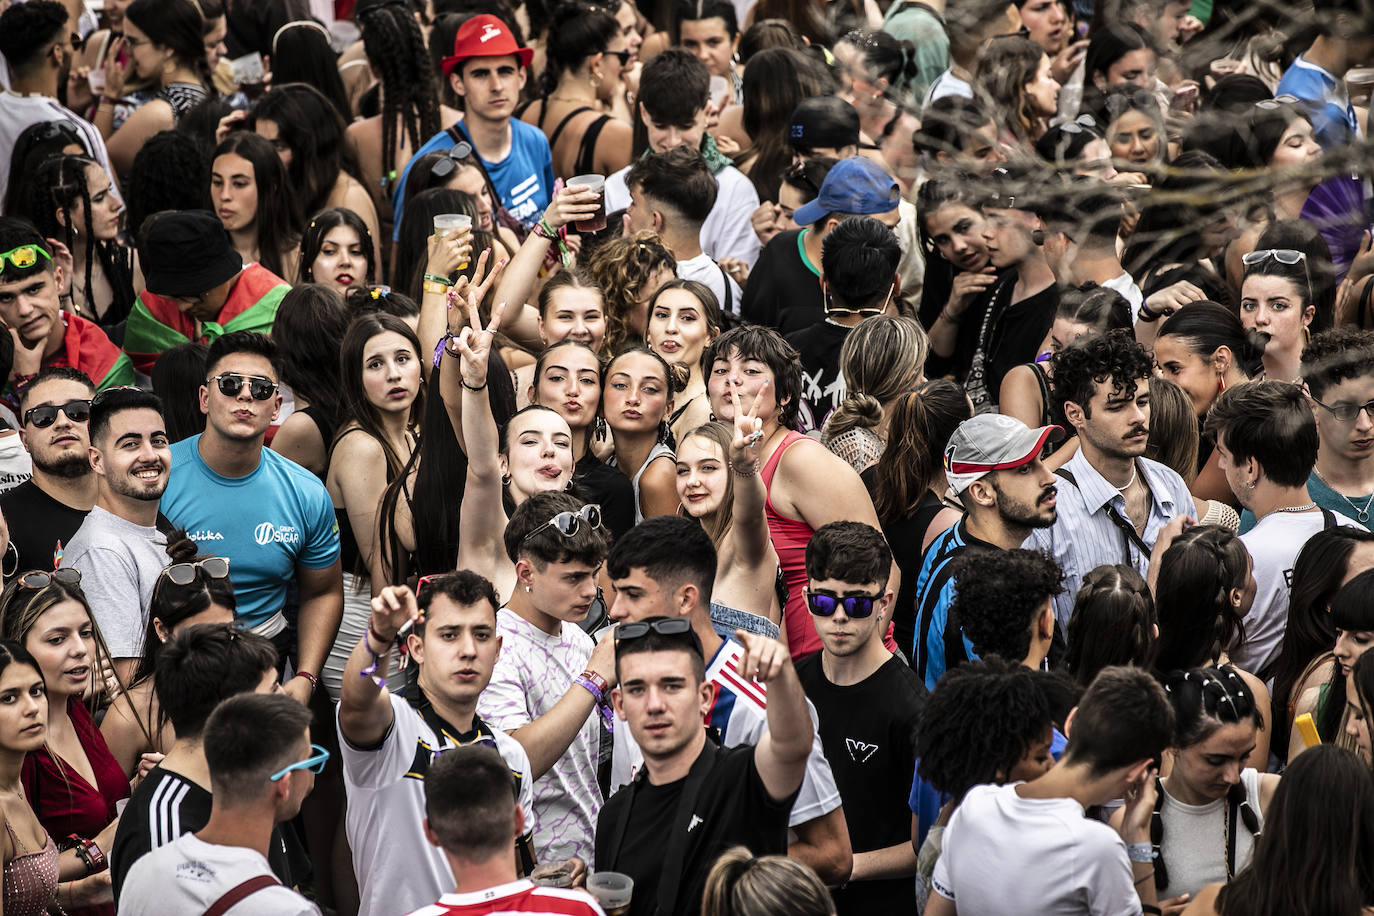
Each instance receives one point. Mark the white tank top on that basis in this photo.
(1194, 847)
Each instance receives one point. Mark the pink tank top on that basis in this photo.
(790, 538)
(30, 878)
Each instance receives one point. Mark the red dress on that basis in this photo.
(64, 802)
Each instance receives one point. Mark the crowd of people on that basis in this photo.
(592, 456)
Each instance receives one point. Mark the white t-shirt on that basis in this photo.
(398, 869)
(15, 464)
(1274, 543)
(727, 232)
(704, 270)
(533, 673)
(947, 84)
(1124, 284)
(18, 112)
(1002, 853)
(120, 563)
(740, 713)
(189, 875)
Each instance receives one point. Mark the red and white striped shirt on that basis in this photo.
(523, 896)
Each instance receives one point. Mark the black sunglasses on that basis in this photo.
(45, 415)
(456, 154)
(569, 523)
(856, 607)
(622, 56)
(231, 384)
(673, 627)
(51, 130)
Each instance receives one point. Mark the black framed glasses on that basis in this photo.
(230, 384)
(856, 607)
(569, 523)
(1346, 413)
(622, 56)
(63, 127)
(672, 627)
(45, 415)
(39, 579)
(185, 573)
(456, 154)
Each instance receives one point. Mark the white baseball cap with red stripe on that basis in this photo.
(992, 442)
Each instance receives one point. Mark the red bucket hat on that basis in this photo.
(484, 36)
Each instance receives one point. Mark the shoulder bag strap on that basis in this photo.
(675, 850)
(239, 892)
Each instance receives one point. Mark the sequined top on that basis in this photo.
(30, 877)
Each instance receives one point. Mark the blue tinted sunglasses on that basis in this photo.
(856, 607)
(314, 763)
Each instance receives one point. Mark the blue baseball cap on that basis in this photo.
(856, 186)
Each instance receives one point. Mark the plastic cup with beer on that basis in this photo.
(449, 224)
(597, 183)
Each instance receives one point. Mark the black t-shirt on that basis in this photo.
(1014, 334)
(37, 522)
(822, 384)
(598, 482)
(784, 291)
(164, 806)
(732, 808)
(905, 536)
(869, 734)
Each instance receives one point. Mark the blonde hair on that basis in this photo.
(718, 523)
(741, 884)
(880, 360)
(1173, 440)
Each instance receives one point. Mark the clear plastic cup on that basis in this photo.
(612, 890)
(448, 224)
(598, 184)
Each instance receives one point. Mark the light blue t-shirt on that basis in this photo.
(1324, 98)
(523, 180)
(266, 523)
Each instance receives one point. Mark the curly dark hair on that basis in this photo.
(1335, 356)
(981, 719)
(171, 171)
(999, 594)
(752, 341)
(1096, 359)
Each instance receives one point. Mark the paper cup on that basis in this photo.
(598, 184)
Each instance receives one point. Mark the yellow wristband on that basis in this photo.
(432, 287)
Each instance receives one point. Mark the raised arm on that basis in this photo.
(749, 527)
(483, 520)
(445, 254)
(365, 713)
(522, 274)
(781, 753)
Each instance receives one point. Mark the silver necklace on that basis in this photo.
(1307, 508)
(1361, 515)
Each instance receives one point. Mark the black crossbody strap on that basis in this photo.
(675, 851)
(1117, 519)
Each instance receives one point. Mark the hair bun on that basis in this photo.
(181, 548)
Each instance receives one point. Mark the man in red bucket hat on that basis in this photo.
(487, 70)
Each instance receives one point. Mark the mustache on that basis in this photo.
(1140, 429)
(1047, 493)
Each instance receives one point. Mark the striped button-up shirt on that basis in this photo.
(1084, 536)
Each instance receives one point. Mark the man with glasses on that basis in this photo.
(197, 668)
(869, 702)
(45, 511)
(550, 689)
(389, 742)
(666, 566)
(35, 40)
(261, 766)
(198, 287)
(119, 548)
(31, 284)
(694, 799)
(1338, 373)
(269, 516)
(784, 290)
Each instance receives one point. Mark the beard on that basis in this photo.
(67, 466)
(132, 488)
(1015, 513)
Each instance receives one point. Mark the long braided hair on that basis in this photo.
(1193, 598)
(60, 183)
(1205, 700)
(396, 51)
